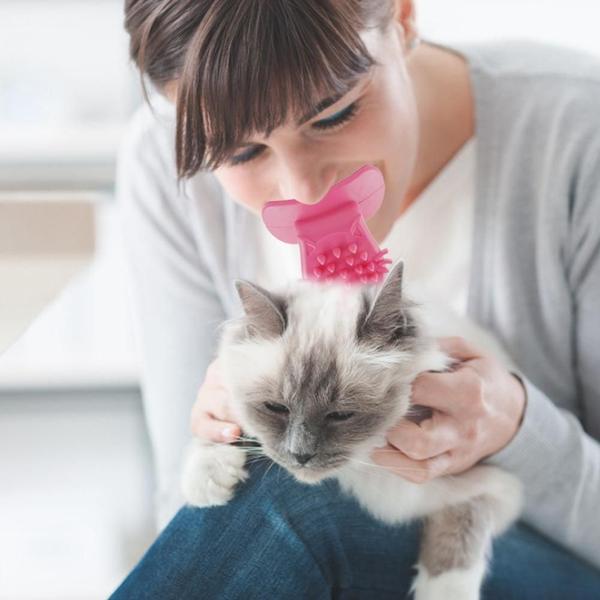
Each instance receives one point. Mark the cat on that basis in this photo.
(317, 373)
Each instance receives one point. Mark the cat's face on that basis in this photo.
(319, 373)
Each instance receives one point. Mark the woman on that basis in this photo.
(491, 157)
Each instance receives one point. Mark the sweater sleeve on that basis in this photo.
(555, 454)
(175, 308)
(559, 464)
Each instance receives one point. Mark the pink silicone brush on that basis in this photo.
(334, 240)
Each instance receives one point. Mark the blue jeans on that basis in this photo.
(279, 539)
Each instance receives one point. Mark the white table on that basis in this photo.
(45, 239)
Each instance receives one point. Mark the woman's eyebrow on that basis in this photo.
(327, 102)
(313, 112)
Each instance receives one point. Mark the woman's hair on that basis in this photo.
(242, 67)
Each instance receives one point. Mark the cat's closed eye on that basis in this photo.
(339, 416)
(277, 408)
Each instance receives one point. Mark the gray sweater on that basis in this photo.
(535, 279)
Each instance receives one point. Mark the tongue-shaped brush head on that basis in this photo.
(334, 240)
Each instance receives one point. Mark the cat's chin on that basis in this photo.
(310, 476)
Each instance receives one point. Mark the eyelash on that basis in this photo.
(336, 120)
(339, 118)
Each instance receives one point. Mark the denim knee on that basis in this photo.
(277, 538)
(264, 543)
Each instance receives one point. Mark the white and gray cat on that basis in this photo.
(318, 373)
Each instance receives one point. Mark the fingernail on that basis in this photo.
(228, 433)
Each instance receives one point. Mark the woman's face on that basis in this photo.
(375, 122)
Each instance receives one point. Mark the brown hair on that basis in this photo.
(242, 66)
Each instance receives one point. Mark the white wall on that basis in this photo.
(75, 493)
(66, 89)
(573, 23)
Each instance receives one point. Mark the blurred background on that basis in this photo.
(75, 465)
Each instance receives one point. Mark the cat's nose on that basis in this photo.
(303, 458)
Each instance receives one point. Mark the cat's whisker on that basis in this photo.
(235, 439)
(401, 425)
(243, 439)
(211, 443)
(255, 459)
(253, 454)
(267, 471)
(404, 469)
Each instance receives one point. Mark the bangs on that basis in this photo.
(253, 64)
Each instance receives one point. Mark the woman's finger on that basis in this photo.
(417, 471)
(208, 428)
(214, 401)
(434, 390)
(430, 438)
(452, 393)
(213, 374)
(459, 348)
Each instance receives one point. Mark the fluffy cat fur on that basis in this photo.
(318, 373)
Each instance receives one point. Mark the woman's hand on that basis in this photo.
(477, 409)
(210, 419)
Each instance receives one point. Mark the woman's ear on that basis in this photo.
(405, 16)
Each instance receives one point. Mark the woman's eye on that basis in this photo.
(247, 156)
(277, 408)
(338, 118)
(340, 416)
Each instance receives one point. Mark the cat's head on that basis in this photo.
(319, 372)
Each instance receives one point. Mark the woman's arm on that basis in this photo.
(473, 418)
(476, 408)
(552, 454)
(559, 464)
(176, 310)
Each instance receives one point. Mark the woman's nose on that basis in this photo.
(306, 183)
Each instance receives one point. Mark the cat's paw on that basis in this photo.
(457, 584)
(211, 473)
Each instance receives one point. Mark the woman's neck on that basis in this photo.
(446, 115)
(446, 112)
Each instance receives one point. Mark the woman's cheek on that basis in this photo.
(245, 185)
(373, 135)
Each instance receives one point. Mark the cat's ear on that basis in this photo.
(266, 311)
(388, 321)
